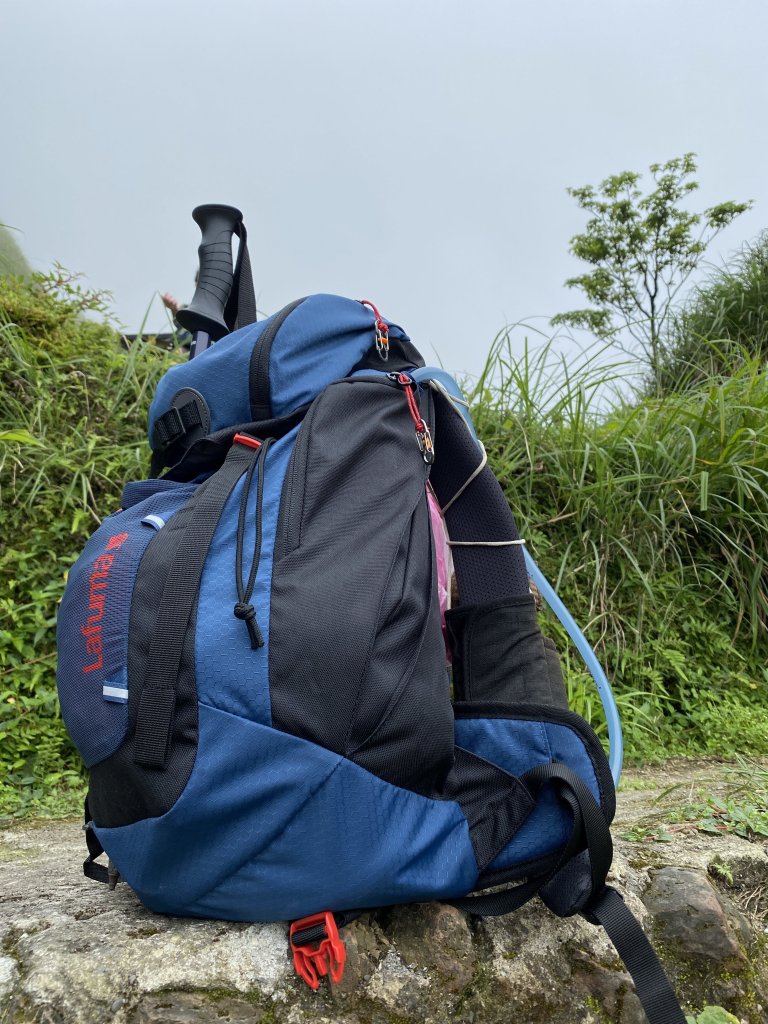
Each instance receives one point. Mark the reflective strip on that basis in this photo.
(118, 694)
(157, 522)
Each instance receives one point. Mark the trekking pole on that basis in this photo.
(204, 316)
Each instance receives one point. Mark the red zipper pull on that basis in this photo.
(382, 330)
(423, 435)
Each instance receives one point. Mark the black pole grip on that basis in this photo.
(206, 310)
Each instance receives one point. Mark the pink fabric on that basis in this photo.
(444, 563)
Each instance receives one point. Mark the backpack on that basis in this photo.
(252, 663)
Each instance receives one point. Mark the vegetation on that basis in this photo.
(12, 260)
(723, 324)
(642, 249)
(649, 512)
(72, 429)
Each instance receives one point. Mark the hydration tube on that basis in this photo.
(444, 383)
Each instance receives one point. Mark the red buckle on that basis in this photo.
(249, 442)
(328, 957)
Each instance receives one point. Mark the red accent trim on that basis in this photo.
(381, 325)
(328, 958)
(413, 405)
(249, 442)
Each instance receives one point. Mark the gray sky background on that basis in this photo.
(414, 153)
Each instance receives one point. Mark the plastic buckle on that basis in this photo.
(329, 955)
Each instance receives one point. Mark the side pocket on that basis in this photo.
(518, 737)
(92, 626)
(500, 655)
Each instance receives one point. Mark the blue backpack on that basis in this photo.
(252, 664)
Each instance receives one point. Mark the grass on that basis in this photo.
(650, 515)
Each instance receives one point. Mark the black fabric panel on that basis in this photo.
(403, 355)
(480, 513)
(557, 689)
(499, 654)
(356, 657)
(494, 803)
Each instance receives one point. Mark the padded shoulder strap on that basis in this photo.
(487, 549)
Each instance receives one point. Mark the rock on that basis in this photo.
(689, 914)
(9, 976)
(195, 1008)
(438, 937)
(710, 951)
(73, 953)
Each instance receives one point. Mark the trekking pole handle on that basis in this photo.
(206, 310)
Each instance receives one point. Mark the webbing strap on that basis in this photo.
(91, 869)
(575, 793)
(195, 524)
(651, 983)
(241, 304)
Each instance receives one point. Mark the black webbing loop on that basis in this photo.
(240, 309)
(175, 423)
(92, 870)
(195, 525)
(579, 799)
(651, 983)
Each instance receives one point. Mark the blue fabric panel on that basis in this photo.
(320, 342)
(220, 374)
(517, 746)
(271, 827)
(230, 675)
(92, 626)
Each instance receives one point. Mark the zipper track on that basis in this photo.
(258, 371)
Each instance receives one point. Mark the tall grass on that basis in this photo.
(72, 431)
(724, 324)
(650, 515)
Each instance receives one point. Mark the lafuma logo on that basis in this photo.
(98, 583)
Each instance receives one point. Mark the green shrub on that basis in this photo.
(651, 517)
(724, 324)
(73, 406)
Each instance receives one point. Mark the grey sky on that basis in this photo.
(414, 153)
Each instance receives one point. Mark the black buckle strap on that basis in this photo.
(651, 983)
(175, 423)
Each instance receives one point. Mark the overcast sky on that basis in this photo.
(414, 153)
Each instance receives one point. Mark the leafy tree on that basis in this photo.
(642, 247)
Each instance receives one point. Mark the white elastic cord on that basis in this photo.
(485, 543)
(453, 399)
(468, 481)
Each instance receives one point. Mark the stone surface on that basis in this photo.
(71, 952)
(691, 915)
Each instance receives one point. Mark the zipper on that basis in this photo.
(258, 371)
(423, 435)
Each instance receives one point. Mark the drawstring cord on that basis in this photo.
(244, 610)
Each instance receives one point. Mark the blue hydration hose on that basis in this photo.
(547, 591)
